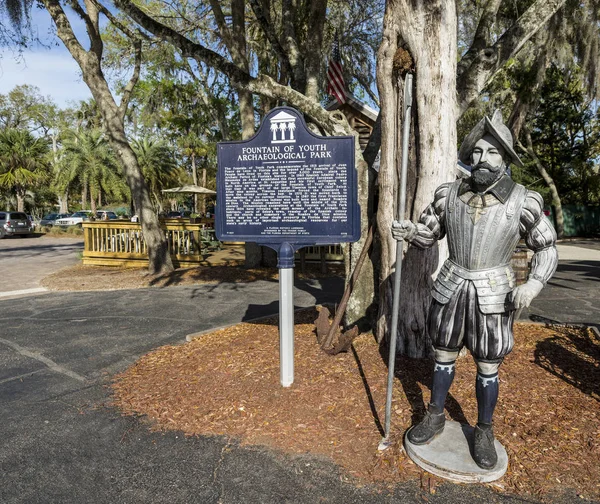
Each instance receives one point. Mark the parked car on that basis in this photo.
(179, 214)
(106, 215)
(15, 223)
(75, 219)
(50, 219)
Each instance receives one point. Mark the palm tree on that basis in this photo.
(23, 162)
(158, 165)
(90, 164)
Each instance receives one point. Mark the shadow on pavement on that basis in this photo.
(573, 356)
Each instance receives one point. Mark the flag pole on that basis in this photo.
(408, 85)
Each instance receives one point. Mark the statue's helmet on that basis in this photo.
(498, 130)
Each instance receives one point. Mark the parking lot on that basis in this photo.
(25, 261)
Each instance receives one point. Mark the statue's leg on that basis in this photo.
(443, 376)
(434, 421)
(493, 341)
(486, 390)
(446, 329)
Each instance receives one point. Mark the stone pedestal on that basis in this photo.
(449, 456)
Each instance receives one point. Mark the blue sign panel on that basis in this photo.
(287, 185)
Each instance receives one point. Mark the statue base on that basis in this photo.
(449, 456)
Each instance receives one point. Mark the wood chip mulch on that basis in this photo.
(227, 383)
(88, 278)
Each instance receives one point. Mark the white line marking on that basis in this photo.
(35, 290)
(39, 357)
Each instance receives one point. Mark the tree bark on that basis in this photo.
(20, 194)
(556, 202)
(84, 193)
(90, 64)
(390, 100)
(428, 32)
(194, 179)
(315, 27)
(482, 62)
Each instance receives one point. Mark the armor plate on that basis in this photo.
(492, 285)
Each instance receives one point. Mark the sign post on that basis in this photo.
(287, 188)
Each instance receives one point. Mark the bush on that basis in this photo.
(75, 230)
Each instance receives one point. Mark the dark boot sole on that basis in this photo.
(426, 441)
(485, 467)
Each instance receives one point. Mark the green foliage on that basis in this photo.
(566, 135)
(158, 166)
(24, 108)
(23, 161)
(89, 162)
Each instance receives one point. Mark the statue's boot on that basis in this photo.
(434, 421)
(484, 452)
(486, 389)
(432, 425)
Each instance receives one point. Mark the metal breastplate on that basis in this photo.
(482, 233)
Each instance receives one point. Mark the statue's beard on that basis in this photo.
(484, 175)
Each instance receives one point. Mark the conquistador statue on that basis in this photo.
(474, 295)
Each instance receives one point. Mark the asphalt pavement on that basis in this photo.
(572, 295)
(26, 260)
(62, 442)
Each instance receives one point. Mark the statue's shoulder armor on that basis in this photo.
(533, 209)
(439, 198)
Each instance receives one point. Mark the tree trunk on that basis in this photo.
(113, 116)
(390, 100)
(92, 201)
(195, 179)
(556, 202)
(361, 300)
(84, 192)
(204, 195)
(428, 31)
(63, 202)
(20, 200)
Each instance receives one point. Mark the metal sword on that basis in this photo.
(408, 90)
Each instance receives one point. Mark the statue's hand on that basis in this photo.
(404, 230)
(524, 294)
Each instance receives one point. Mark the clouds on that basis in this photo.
(55, 72)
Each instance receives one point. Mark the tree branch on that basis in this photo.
(262, 85)
(223, 28)
(527, 93)
(290, 43)
(64, 30)
(90, 18)
(489, 60)
(114, 21)
(481, 37)
(269, 32)
(361, 80)
(128, 90)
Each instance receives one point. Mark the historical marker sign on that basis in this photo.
(287, 188)
(287, 185)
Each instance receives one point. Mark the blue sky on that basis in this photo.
(52, 70)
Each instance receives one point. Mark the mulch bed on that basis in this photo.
(86, 278)
(227, 383)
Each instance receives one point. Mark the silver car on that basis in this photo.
(15, 223)
(50, 219)
(75, 219)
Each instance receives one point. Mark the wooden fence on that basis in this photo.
(120, 243)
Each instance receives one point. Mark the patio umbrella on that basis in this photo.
(189, 189)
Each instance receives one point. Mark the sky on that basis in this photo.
(53, 70)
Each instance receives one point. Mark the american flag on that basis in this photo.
(335, 77)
